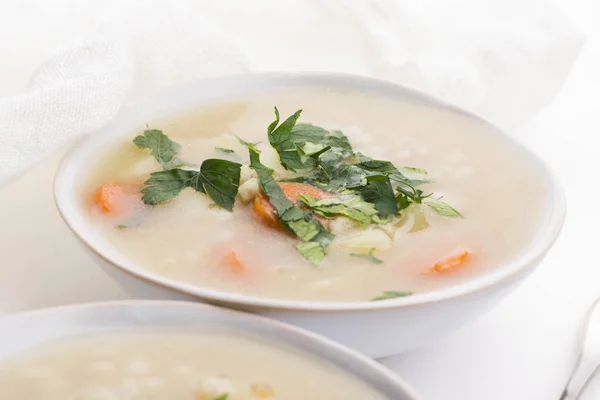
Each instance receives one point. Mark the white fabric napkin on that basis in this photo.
(502, 59)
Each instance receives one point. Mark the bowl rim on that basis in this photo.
(312, 343)
(255, 82)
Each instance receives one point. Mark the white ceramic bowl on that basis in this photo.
(24, 331)
(376, 328)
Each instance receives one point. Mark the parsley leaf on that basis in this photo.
(408, 176)
(403, 201)
(301, 222)
(335, 171)
(268, 185)
(224, 396)
(249, 145)
(380, 166)
(163, 149)
(324, 237)
(305, 229)
(379, 192)
(312, 251)
(414, 176)
(353, 207)
(314, 149)
(441, 208)
(369, 256)
(164, 185)
(224, 150)
(346, 177)
(340, 143)
(391, 294)
(280, 138)
(221, 181)
(308, 133)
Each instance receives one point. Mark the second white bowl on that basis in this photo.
(25, 331)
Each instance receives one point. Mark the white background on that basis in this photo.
(523, 349)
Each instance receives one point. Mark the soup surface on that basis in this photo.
(176, 366)
(355, 224)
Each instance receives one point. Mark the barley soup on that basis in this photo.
(338, 195)
(174, 365)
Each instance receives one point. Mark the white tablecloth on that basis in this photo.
(523, 349)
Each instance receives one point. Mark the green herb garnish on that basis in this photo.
(220, 179)
(441, 208)
(415, 176)
(312, 251)
(390, 294)
(300, 222)
(379, 191)
(352, 206)
(164, 185)
(403, 201)
(366, 190)
(224, 396)
(308, 133)
(369, 256)
(249, 145)
(162, 148)
(280, 137)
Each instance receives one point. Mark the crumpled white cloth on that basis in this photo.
(502, 59)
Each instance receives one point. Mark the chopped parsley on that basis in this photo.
(300, 222)
(441, 208)
(280, 137)
(391, 294)
(162, 148)
(165, 185)
(352, 206)
(224, 150)
(250, 145)
(364, 190)
(219, 179)
(369, 256)
(414, 176)
(380, 193)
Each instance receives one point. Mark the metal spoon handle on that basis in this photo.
(583, 372)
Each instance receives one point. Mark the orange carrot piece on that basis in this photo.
(234, 263)
(107, 196)
(266, 212)
(452, 263)
(292, 190)
(117, 198)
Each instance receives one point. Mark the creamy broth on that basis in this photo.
(480, 173)
(175, 366)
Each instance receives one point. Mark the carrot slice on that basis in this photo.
(266, 212)
(234, 263)
(292, 190)
(118, 199)
(452, 263)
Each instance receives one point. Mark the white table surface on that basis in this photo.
(523, 349)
